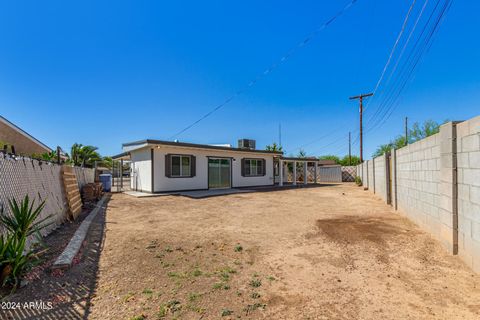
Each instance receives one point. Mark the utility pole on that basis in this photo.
(406, 130)
(279, 135)
(360, 97)
(349, 148)
(58, 154)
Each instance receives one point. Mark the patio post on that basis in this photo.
(280, 169)
(305, 172)
(294, 173)
(315, 177)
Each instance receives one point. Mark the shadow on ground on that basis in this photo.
(63, 294)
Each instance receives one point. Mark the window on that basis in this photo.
(181, 166)
(254, 167)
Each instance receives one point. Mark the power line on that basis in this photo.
(271, 68)
(405, 21)
(386, 96)
(340, 140)
(408, 40)
(318, 139)
(412, 63)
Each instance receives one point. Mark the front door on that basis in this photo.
(219, 173)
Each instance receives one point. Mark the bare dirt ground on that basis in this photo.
(330, 252)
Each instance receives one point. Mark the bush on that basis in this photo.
(358, 181)
(15, 258)
(23, 222)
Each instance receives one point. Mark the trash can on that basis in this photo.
(106, 180)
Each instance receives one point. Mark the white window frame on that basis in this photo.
(182, 175)
(257, 174)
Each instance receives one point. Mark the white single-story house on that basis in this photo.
(166, 166)
(169, 166)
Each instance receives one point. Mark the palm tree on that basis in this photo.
(84, 155)
(75, 153)
(274, 147)
(88, 155)
(107, 162)
(302, 154)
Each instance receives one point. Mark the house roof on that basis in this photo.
(24, 133)
(309, 159)
(122, 156)
(143, 143)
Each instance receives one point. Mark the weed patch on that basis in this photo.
(252, 307)
(226, 312)
(255, 283)
(193, 296)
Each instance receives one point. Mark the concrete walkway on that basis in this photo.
(195, 194)
(212, 193)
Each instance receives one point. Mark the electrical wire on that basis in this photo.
(413, 61)
(405, 21)
(267, 71)
(387, 94)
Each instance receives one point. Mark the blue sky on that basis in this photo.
(103, 73)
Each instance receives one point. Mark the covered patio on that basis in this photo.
(287, 164)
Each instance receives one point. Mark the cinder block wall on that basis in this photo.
(436, 184)
(418, 181)
(380, 177)
(371, 177)
(468, 162)
(365, 173)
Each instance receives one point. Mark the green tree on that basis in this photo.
(107, 162)
(345, 161)
(330, 157)
(48, 156)
(418, 132)
(75, 153)
(84, 155)
(301, 154)
(382, 149)
(274, 147)
(89, 155)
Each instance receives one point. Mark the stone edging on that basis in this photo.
(66, 257)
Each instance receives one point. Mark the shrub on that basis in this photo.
(358, 181)
(22, 222)
(15, 258)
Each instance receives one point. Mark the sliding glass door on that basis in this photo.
(219, 173)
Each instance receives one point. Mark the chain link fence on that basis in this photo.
(41, 181)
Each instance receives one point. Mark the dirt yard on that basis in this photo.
(332, 252)
(329, 252)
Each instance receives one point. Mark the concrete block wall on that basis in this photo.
(436, 184)
(418, 183)
(380, 177)
(362, 168)
(394, 202)
(371, 176)
(365, 174)
(468, 174)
